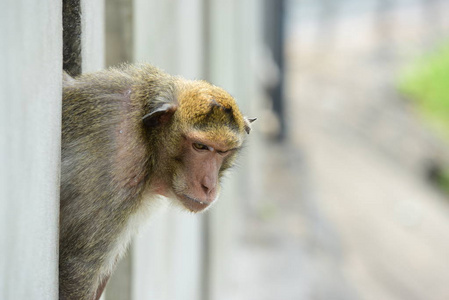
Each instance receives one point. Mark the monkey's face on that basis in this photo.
(196, 182)
(205, 129)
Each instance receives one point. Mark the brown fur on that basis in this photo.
(110, 159)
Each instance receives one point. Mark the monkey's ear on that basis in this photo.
(248, 122)
(159, 115)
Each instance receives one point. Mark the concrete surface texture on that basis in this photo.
(346, 212)
(30, 130)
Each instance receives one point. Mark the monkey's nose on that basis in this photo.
(207, 190)
(208, 185)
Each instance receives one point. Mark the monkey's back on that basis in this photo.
(104, 162)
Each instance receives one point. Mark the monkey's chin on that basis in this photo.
(192, 204)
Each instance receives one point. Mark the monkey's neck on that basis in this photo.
(150, 205)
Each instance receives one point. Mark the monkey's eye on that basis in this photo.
(200, 147)
(222, 152)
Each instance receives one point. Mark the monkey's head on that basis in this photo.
(205, 131)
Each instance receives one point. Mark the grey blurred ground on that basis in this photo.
(346, 211)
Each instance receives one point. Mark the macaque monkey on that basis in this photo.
(129, 135)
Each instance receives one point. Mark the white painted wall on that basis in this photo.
(30, 130)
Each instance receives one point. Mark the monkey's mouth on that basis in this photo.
(193, 204)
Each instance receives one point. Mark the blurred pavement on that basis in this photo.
(347, 212)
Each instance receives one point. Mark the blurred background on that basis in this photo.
(343, 188)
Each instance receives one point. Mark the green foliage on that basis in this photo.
(427, 84)
(443, 181)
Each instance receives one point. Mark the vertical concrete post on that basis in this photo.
(30, 130)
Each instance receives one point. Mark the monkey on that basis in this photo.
(130, 135)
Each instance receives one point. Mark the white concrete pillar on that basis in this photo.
(30, 130)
